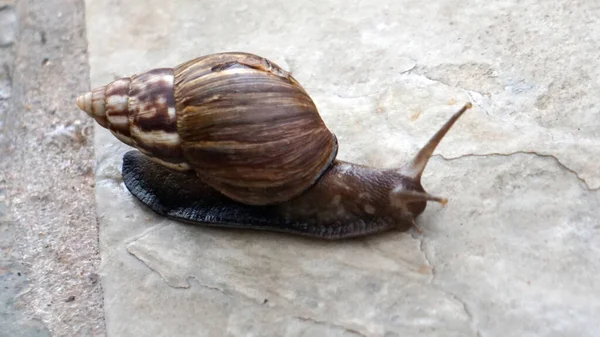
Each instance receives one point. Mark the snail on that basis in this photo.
(233, 140)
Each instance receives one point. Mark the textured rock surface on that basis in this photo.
(515, 252)
(49, 256)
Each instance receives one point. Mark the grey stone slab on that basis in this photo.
(513, 253)
(520, 247)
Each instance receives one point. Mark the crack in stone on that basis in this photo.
(224, 291)
(319, 322)
(417, 71)
(185, 284)
(208, 286)
(475, 101)
(447, 293)
(493, 154)
(465, 309)
(376, 93)
(421, 242)
(433, 271)
(145, 232)
(229, 292)
(420, 71)
(382, 91)
(164, 277)
(409, 70)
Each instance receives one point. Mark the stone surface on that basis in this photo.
(513, 253)
(8, 25)
(49, 257)
(15, 283)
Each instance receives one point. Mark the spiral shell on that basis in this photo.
(243, 124)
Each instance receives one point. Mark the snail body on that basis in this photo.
(233, 140)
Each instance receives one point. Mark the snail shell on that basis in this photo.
(243, 124)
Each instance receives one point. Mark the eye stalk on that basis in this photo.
(414, 169)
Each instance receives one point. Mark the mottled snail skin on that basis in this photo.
(348, 201)
(232, 140)
(241, 122)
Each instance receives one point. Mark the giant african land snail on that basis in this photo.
(233, 140)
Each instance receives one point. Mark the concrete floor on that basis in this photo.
(49, 257)
(515, 251)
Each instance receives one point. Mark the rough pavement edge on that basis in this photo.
(47, 173)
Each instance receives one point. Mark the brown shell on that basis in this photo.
(245, 126)
(140, 111)
(249, 129)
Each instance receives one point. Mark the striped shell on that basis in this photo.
(243, 124)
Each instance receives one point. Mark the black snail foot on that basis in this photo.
(181, 196)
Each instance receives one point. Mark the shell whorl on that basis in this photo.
(249, 128)
(140, 111)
